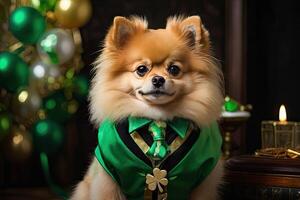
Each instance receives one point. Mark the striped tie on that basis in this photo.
(159, 148)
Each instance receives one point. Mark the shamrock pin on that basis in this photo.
(157, 179)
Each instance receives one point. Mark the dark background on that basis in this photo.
(156, 12)
(271, 40)
(273, 68)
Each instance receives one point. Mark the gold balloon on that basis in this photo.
(72, 13)
(18, 145)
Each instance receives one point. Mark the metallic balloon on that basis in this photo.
(13, 71)
(26, 103)
(72, 13)
(18, 145)
(41, 70)
(56, 46)
(42, 75)
(27, 24)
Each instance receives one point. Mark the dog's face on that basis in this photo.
(158, 65)
(160, 74)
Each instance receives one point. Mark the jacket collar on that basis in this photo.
(179, 125)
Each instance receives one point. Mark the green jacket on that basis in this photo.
(187, 166)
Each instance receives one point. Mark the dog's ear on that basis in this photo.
(191, 29)
(123, 28)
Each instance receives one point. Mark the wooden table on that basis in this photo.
(251, 177)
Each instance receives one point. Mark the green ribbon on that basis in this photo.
(55, 188)
(159, 149)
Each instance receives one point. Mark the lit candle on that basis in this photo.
(282, 114)
(280, 133)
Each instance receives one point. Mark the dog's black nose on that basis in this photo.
(158, 81)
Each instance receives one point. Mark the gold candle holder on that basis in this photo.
(280, 134)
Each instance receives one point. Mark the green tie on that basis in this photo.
(159, 148)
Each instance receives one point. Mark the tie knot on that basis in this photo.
(160, 124)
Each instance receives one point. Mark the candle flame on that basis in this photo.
(282, 113)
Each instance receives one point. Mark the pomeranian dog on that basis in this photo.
(157, 95)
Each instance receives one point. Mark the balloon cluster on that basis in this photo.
(41, 93)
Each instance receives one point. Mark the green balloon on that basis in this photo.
(43, 5)
(5, 124)
(81, 87)
(27, 24)
(14, 72)
(48, 136)
(56, 106)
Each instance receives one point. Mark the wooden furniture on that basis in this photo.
(229, 123)
(253, 178)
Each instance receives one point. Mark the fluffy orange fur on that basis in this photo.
(129, 43)
(118, 90)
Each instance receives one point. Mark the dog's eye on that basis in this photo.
(174, 70)
(142, 70)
